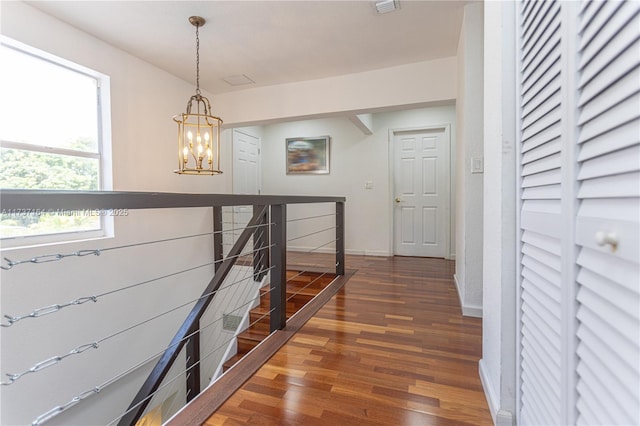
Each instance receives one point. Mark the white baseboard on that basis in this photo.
(489, 392)
(357, 252)
(472, 311)
(467, 310)
(500, 417)
(505, 418)
(458, 289)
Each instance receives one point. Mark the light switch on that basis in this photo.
(368, 184)
(477, 164)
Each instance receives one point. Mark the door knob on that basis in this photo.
(398, 199)
(607, 239)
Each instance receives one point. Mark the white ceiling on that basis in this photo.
(272, 42)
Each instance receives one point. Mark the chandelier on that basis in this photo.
(199, 131)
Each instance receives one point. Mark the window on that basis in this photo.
(54, 127)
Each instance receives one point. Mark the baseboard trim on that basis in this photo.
(467, 310)
(472, 311)
(489, 393)
(500, 417)
(458, 289)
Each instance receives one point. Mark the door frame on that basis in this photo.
(449, 222)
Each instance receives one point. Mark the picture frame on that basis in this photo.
(308, 155)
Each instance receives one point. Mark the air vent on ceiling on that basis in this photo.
(238, 80)
(386, 6)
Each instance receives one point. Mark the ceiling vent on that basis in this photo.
(386, 6)
(238, 80)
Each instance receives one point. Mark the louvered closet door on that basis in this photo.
(541, 224)
(607, 230)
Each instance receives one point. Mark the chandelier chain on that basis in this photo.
(197, 59)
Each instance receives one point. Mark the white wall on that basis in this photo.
(143, 100)
(497, 366)
(469, 185)
(355, 158)
(412, 84)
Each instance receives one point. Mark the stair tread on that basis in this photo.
(301, 288)
(253, 334)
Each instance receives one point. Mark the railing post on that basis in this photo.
(260, 243)
(217, 237)
(340, 238)
(278, 315)
(193, 363)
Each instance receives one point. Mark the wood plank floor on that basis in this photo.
(391, 348)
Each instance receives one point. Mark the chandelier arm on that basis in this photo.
(207, 106)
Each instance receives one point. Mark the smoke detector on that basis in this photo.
(386, 6)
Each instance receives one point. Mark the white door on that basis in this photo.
(246, 175)
(421, 193)
(246, 163)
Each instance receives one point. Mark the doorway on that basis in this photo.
(421, 192)
(246, 176)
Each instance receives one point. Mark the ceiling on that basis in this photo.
(271, 42)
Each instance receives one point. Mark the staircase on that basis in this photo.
(301, 288)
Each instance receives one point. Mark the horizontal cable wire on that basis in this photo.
(310, 217)
(311, 233)
(60, 408)
(214, 350)
(80, 349)
(312, 250)
(39, 312)
(79, 301)
(226, 342)
(81, 253)
(55, 257)
(56, 410)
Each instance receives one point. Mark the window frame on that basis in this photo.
(103, 154)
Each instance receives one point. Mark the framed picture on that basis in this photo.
(308, 155)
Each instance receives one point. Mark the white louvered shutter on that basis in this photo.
(579, 213)
(609, 206)
(541, 225)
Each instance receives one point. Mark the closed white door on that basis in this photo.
(246, 163)
(421, 193)
(246, 175)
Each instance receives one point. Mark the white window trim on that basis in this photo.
(105, 176)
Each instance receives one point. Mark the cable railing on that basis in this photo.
(189, 266)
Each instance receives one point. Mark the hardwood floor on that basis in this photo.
(391, 348)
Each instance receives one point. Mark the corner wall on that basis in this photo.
(469, 197)
(498, 363)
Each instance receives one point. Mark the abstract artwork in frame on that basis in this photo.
(308, 155)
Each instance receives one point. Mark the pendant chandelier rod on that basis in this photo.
(197, 22)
